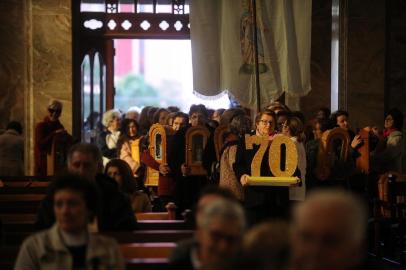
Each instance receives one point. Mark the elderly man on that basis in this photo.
(220, 225)
(328, 232)
(115, 211)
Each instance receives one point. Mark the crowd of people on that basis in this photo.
(318, 228)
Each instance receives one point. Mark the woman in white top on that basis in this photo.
(107, 141)
(293, 128)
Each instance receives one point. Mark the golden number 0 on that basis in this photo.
(275, 156)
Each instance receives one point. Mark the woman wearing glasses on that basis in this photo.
(265, 123)
(260, 202)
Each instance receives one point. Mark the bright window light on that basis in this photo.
(157, 73)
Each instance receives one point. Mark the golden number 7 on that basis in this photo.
(257, 160)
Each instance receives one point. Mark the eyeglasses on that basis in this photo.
(266, 122)
(389, 119)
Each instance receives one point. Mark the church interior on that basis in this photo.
(304, 168)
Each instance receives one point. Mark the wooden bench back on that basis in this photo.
(145, 236)
(164, 225)
(146, 250)
(20, 203)
(390, 195)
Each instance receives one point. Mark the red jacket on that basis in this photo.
(44, 134)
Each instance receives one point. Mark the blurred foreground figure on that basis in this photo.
(328, 232)
(220, 224)
(68, 244)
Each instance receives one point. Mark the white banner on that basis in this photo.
(223, 55)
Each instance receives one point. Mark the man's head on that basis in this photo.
(328, 231)
(219, 231)
(85, 160)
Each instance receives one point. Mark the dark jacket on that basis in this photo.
(115, 210)
(254, 196)
(105, 150)
(181, 255)
(261, 202)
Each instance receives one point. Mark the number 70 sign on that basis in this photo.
(274, 156)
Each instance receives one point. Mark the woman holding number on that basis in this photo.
(261, 202)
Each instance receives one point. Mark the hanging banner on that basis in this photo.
(223, 54)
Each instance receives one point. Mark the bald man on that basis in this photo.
(328, 232)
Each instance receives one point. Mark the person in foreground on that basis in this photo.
(68, 244)
(328, 232)
(116, 213)
(220, 225)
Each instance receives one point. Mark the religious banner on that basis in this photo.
(223, 48)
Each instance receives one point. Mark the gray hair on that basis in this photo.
(356, 214)
(109, 115)
(224, 210)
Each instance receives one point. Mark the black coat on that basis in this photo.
(261, 202)
(181, 255)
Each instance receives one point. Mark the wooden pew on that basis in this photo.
(164, 225)
(20, 203)
(145, 236)
(147, 264)
(146, 250)
(169, 215)
(152, 216)
(8, 256)
(24, 188)
(26, 178)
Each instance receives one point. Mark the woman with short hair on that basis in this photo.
(69, 243)
(107, 141)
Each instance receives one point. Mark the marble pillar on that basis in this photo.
(35, 64)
